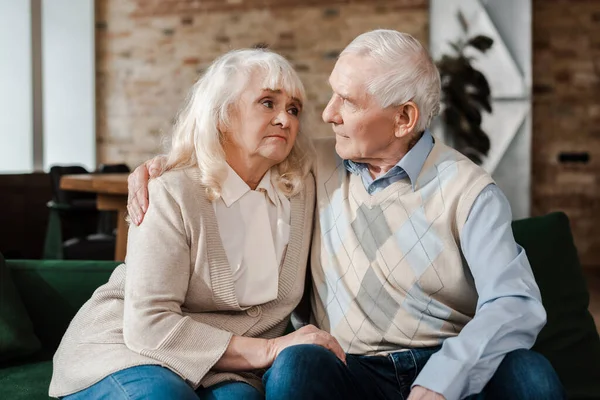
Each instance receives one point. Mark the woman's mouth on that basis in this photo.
(277, 137)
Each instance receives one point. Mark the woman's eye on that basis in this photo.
(267, 103)
(294, 111)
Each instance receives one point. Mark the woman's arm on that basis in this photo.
(158, 272)
(244, 354)
(157, 275)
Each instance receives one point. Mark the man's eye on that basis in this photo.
(267, 103)
(294, 111)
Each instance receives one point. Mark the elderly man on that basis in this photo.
(415, 270)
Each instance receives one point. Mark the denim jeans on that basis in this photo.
(153, 382)
(312, 372)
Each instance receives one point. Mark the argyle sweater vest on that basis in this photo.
(387, 269)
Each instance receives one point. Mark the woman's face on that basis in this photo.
(264, 124)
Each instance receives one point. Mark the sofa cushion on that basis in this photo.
(54, 290)
(16, 331)
(569, 340)
(26, 381)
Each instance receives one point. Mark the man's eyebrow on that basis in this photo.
(343, 95)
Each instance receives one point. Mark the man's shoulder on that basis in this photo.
(446, 163)
(445, 156)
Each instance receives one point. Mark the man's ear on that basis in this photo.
(406, 119)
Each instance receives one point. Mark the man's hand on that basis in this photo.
(308, 334)
(421, 393)
(137, 185)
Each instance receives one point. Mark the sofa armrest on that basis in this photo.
(569, 340)
(54, 290)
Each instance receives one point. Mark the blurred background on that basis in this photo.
(97, 84)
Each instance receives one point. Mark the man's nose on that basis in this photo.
(331, 112)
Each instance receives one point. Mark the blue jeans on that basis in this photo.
(153, 382)
(312, 372)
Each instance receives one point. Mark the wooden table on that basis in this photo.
(112, 196)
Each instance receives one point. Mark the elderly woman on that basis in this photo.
(213, 273)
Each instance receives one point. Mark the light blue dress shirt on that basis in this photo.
(509, 313)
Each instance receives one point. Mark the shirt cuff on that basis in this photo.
(445, 376)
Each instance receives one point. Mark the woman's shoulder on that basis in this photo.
(178, 183)
(309, 184)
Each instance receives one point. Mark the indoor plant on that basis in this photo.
(465, 94)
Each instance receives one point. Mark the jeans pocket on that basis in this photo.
(405, 370)
(404, 385)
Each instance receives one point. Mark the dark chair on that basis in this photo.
(107, 223)
(114, 169)
(73, 228)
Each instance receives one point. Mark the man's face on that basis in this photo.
(363, 129)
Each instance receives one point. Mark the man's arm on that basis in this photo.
(137, 185)
(509, 312)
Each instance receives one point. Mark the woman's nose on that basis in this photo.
(282, 118)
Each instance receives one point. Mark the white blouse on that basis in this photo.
(255, 229)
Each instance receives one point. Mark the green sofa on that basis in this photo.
(53, 291)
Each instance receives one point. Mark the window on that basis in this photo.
(47, 92)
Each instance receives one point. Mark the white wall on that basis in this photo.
(507, 66)
(512, 19)
(68, 72)
(16, 103)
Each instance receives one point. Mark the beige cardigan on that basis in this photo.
(173, 302)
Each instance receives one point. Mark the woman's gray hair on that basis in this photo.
(197, 138)
(408, 72)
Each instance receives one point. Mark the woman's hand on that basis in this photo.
(137, 185)
(308, 334)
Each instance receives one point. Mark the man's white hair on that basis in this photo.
(197, 138)
(407, 72)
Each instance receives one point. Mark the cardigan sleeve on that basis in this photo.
(157, 274)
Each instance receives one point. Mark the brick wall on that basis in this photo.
(149, 53)
(566, 116)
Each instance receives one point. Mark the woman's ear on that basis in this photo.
(406, 119)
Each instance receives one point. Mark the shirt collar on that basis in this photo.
(414, 160)
(267, 185)
(411, 163)
(234, 187)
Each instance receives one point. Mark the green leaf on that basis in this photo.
(478, 80)
(481, 43)
(471, 153)
(462, 21)
(480, 141)
(466, 93)
(483, 101)
(456, 47)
